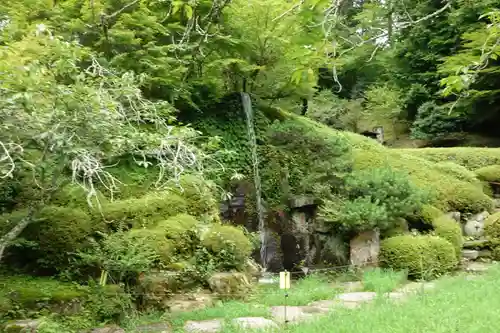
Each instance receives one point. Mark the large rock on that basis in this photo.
(474, 226)
(253, 323)
(365, 248)
(230, 284)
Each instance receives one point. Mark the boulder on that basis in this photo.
(365, 248)
(230, 284)
(253, 269)
(474, 226)
(331, 249)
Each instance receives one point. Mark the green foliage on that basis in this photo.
(433, 122)
(490, 173)
(124, 254)
(449, 229)
(374, 198)
(335, 112)
(422, 256)
(228, 244)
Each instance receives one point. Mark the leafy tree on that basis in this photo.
(65, 118)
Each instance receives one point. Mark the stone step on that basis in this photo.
(476, 244)
(470, 254)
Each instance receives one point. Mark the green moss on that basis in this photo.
(422, 256)
(230, 241)
(458, 171)
(73, 195)
(144, 211)
(490, 173)
(182, 232)
(30, 294)
(471, 158)
(449, 229)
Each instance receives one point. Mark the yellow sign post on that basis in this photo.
(285, 280)
(285, 284)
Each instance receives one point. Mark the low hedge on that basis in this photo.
(422, 256)
(492, 233)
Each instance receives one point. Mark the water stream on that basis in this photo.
(247, 108)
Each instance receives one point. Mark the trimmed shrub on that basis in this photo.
(228, 243)
(490, 173)
(492, 226)
(182, 231)
(449, 229)
(156, 240)
(422, 256)
(143, 211)
(58, 232)
(199, 195)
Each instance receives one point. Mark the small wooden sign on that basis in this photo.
(285, 280)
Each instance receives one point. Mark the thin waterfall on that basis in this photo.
(247, 108)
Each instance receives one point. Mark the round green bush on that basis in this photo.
(490, 173)
(422, 256)
(449, 229)
(182, 230)
(52, 238)
(229, 243)
(143, 211)
(492, 227)
(156, 240)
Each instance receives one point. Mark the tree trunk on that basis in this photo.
(12, 234)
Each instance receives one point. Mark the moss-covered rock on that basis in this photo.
(229, 243)
(490, 173)
(199, 195)
(164, 248)
(422, 256)
(492, 234)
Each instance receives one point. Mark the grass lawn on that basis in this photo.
(455, 305)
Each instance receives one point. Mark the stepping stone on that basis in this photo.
(153, 328)
(293, 314)
(414, 287)
(204, 326)
(352, 286)
(473, 244)
(254, 323)
(470, 254)
(477, 267)
(325, 305)
(397, 295)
